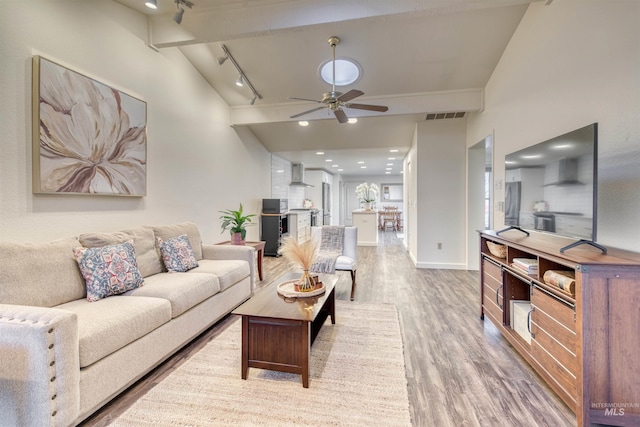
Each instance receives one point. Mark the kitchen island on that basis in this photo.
(366, 221)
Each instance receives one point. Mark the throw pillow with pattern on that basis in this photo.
(108, 270)
(177, 254)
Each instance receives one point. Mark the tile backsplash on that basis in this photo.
(280, 180)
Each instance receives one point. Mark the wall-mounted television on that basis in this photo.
(552, 186)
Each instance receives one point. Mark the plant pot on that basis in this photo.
(366, 206)
(236, 239)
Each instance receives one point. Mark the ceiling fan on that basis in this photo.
(336, 100)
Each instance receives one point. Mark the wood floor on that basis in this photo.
(460, 371)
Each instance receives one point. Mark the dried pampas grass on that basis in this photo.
(302, 255)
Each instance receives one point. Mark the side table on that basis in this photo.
(259, 247)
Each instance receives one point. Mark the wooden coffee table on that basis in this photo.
(277, 333)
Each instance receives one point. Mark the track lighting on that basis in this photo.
(242, 77)
(181, 4)
(151, 4)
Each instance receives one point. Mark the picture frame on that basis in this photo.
(88, 138)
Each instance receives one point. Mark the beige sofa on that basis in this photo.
(63, 357)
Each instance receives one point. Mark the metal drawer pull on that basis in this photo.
(497, 292)
(529, 322)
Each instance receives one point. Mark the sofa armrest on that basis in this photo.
(39, 366)
(247, 253)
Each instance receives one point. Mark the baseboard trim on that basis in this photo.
(435, 265)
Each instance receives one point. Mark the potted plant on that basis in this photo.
(236, 222)
(367, 194)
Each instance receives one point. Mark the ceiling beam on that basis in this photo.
(246, 20)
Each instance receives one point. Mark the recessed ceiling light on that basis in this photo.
(394, 150)
(303, 123)
(391, 158)
(329, 160)
(319, 153)
(389, 164)
(387, 173)
(352, 120)
(361, 162)
(340, 170)
(348, 71)
(280, 171)
(334, 166)
(363, 167)
(387, 169)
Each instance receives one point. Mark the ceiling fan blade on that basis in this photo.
(380, 108)
(307, 112)
(353, 93)
(305, 99)
(341, 116)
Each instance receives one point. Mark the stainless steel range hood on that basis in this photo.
(564, 173)
(297, 175)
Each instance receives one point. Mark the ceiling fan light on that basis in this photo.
(151, 4)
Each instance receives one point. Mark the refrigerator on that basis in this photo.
(512, 203)
(326, 203)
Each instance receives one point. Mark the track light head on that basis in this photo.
(181, 4)
(240, 81)
(151, 4)
(222, 59)
(178, 16)
(253, 100)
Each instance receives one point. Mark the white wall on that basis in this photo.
(193, 154)
(570, 64)
(439, 174)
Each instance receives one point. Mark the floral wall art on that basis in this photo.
(88, 138)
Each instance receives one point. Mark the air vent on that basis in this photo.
(439, 116)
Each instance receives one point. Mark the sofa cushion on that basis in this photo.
(109, 270)
(182, 290)
(177, 254)
(110, 324)
(165, 232)
(40, 274)
(144, 242)
(229, 272)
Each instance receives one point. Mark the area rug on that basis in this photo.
(357, 378)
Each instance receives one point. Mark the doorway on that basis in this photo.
(479, 196)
